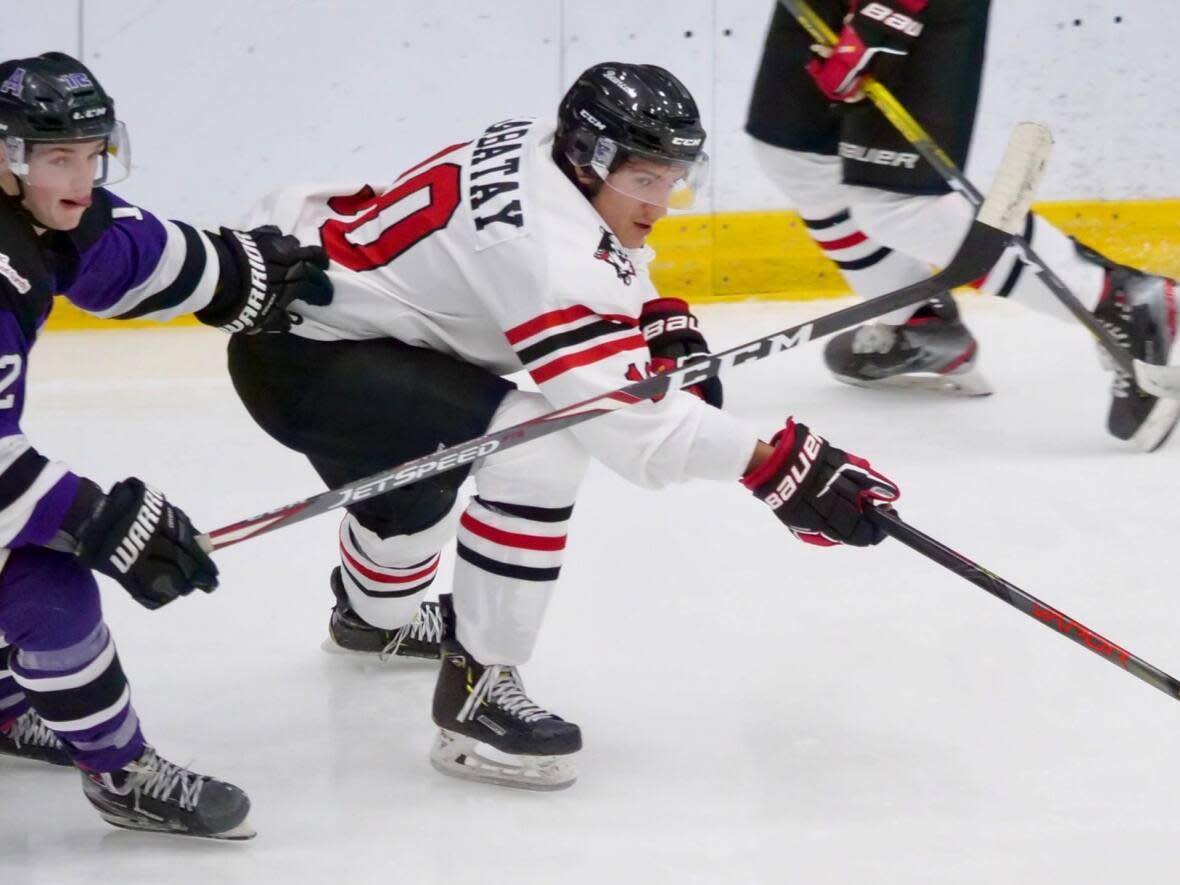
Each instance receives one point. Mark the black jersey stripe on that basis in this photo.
(561, 340)
(536, 514)
(186, 282)
(868, 261)
(20, 476)
(830, 221)
(360, 584)
(503, 569)
(68, 704)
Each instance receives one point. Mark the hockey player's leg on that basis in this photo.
(926, 347)
(22, 733)
(379, 588)
(511, 546)
(317, 397)
(66, 665)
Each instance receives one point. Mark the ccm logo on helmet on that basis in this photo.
(88, 114)
(687, 142)
(591, 119)
(795, 476)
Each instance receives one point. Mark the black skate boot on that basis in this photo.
(29, 738)
(349, 633)
(478, 707)
(153, 794)
(1139, 309)
(932, 350)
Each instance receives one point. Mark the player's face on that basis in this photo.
(631, 217)
(57, 189)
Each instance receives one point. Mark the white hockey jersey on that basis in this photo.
(487, 252)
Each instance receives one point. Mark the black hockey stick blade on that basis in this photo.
(991, 233)
(1008, 592)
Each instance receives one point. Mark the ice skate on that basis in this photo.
(158, 796)
(348, 633)
(1139, 309)
(27, 737)
(932, 350)
(492, 732)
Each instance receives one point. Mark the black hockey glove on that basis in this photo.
(818, 491)
(132, 534)
(262, 273)
(875, 40)
(672, 337)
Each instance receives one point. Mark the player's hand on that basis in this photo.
(273, 271)
(673, 338)
(874, 41)
(134, 535)
(818, 491)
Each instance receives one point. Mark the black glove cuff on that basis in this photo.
(87, 504)
(242, 296)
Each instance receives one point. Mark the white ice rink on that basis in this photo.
(754, 710)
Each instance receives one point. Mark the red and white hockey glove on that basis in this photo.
(818, 491)
(674, 339)
(875, 39)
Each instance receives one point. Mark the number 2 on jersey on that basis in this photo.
(401, 217)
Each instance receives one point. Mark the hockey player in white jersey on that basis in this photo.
(521, 248)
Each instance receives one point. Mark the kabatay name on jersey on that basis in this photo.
(494, 191)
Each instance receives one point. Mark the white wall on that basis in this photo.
(228, 98)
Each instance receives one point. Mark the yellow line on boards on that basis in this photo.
(769, 256)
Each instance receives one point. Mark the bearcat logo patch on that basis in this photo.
(612, 253)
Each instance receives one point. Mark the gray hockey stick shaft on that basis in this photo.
(1158, 380)
(990, 234)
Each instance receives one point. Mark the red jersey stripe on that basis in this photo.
(555, 318)
(853, 239)
(388, 579)
(551, 370)
(511, 539)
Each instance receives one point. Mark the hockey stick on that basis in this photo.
(991, 233)
(893, 524)
(1157, 380)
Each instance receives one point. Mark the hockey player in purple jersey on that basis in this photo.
(63, 695)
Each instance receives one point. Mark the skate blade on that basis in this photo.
(965, 384)
(241, 833)
(330, 646)
(463, 757)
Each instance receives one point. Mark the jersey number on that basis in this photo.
(10, 365)
(402, 217)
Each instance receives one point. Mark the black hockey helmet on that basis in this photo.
(617, 110)
(53, 98)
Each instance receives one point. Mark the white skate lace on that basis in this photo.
(427, 626)
(502, 686)
(157, 778)
(30, 731)
(874, 338)
(1122, 383)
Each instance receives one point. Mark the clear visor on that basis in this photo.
(661, 182)
(64, 164)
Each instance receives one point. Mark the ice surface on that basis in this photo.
(754, 710)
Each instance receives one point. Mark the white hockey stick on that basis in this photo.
(992, 232)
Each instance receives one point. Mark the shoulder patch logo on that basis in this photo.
(9, 273)
(612, 253)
